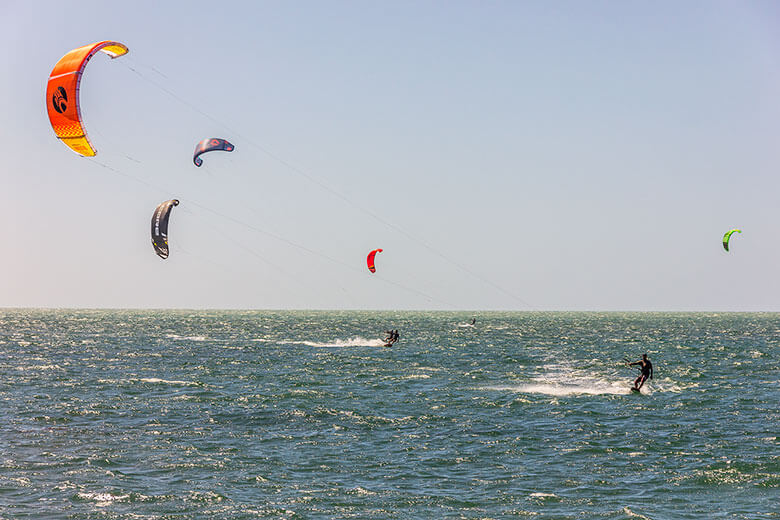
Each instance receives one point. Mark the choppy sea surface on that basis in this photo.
(231, 414)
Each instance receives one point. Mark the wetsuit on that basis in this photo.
(646, 368)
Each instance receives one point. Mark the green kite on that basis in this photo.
(727, 237)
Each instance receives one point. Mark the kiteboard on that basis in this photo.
(388, 345)
(635, 390)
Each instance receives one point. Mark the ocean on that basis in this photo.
(159, 414)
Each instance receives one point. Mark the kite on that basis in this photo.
(370, 260)
(209, 145)
(62, 94)
(160, 227)
(727, 237)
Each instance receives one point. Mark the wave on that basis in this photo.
(38, 367)
(167, 381)
(153, 380)
(101, 499)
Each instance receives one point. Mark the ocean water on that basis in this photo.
(229, 414)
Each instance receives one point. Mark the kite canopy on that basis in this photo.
(209, 145)
(727, 237)
(62, 94)
(160, 227)
(370, 260)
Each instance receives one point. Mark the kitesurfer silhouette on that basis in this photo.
(646, 371)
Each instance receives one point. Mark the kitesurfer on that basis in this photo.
(392, 337)
(473, 321)
(646, 371)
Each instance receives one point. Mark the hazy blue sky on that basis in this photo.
(579, 155)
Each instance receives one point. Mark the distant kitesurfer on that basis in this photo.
(473, 321)
(646, 371)
(392, 337)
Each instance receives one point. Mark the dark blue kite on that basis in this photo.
(209, 145)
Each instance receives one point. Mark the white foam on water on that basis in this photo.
(360, 491)
(167, 381)
(561, 390)
(631, 514)
(187, 338)
(357, 341)
(102, 499)
(560, 381)
(155, 380)
(38, 367)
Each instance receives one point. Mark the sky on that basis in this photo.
(505, 155)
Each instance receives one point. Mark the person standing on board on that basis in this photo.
(392, 337)
(646, 371)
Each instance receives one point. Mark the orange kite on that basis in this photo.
(62, 94)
